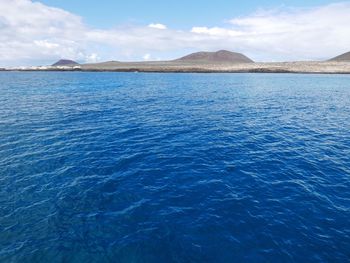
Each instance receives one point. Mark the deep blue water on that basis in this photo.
(124, 167)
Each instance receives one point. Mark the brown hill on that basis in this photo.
(65, 62)
(222, 56)
(342, 58)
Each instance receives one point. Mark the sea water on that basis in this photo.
(125, 167)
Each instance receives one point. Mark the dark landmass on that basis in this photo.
(207, 62)
(222, 56)
(65, 62)
(342, 58)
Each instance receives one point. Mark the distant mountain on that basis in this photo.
(65, 62)
(222, 56)
(342, 58)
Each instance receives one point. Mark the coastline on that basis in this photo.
(195, 67)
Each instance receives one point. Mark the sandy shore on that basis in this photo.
(174, 66)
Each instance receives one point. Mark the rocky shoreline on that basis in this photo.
(205, 62)
(183, 67)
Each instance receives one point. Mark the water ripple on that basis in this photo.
(123, 167)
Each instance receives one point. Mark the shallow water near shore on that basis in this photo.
(125, 167)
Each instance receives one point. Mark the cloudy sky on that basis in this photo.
(40, 32)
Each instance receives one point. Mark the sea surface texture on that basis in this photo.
(162, 168)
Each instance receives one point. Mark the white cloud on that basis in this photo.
(217, 31)
(146, 57)
(92, 58)
(316, 33)
(46, 44)
(33, 33)
(157, 26)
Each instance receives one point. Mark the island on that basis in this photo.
(222, 61)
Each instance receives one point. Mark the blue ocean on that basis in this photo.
(163, 168)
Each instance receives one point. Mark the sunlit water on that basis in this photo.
(125, 167)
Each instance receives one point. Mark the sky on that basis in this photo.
(41, 32)
(181, 14)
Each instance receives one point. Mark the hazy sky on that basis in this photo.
(40, 32)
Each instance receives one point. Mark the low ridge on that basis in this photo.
(222, 56)
(65, 62)
(342, 58)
